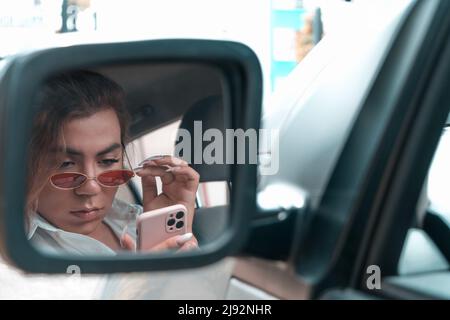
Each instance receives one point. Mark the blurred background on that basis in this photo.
(281, 32)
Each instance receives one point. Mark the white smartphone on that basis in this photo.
(156, 226)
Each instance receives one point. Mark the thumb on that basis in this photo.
(127, 242)
(173, 242)
(149, 189)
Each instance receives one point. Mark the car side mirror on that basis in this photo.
(164, 80)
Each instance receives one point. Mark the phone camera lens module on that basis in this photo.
(180, 214)
(180, 224)
(170, 222)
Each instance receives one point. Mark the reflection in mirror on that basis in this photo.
(118, 160)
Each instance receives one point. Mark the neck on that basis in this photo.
(104, 234)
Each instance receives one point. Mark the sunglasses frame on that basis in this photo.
(95, 178)
(89, 178)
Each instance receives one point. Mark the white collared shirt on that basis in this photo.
(52, 240)
(209, 282)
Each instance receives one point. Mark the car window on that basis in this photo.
(439, 177)
(420, 252)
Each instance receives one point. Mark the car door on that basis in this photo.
(422, 112)
(348, 243)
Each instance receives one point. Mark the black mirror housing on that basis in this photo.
(20, 79)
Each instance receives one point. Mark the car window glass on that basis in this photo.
(420, 253)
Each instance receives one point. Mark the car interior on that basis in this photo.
(155, 100)
(160, 103)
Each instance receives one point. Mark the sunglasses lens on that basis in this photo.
(68, 180)
(115, 178)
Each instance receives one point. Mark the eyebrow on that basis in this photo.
(74, 152)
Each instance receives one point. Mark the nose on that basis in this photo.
(91, 187)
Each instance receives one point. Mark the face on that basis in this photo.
(93, 145)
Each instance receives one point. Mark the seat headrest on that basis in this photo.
(210, 112)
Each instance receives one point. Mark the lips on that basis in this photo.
(87, 214)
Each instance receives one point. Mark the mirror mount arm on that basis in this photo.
(276, 227)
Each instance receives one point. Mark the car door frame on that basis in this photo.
(410, 142)
(330, 259)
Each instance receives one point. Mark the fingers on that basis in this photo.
(179, 171)
(127, 242)
(184, 173)
(155, 171)
(151, 168)
(170, 161)
(179, 182)
(167, 160)
(148, 172)
(153, 158)
(173, 242)
(183, 243)
(189, 245)
(149, 188)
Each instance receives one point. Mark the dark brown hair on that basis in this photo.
(65, 97)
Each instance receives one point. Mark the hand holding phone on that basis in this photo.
(179, 183)
(156, 226)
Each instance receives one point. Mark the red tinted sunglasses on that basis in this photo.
(110, 178)
(73, 180)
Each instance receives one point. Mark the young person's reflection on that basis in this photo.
(81, 131)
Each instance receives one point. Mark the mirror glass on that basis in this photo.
(128, 158)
